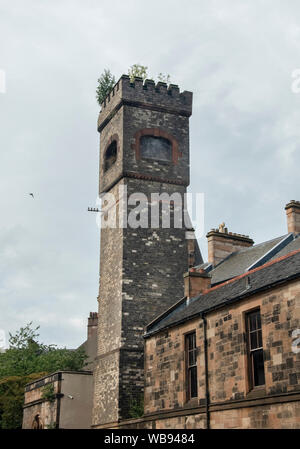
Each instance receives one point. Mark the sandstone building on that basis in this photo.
(68, 404)
(225, 356)
(211, 345)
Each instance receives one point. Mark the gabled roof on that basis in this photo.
(272, 273)
(245, 259)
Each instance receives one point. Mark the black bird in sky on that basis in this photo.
(31, 195)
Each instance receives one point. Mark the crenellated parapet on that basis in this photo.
(147, 95)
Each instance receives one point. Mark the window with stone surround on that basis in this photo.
(191, 365)
(155, 148)
(255, 349)
(110, 155)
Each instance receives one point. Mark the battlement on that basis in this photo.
(146, 94)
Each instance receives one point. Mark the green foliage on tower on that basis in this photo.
(137, 71)
(105, 84)
(107, 80)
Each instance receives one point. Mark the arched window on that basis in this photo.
(37, 422)
(155, 148)
(110, 156)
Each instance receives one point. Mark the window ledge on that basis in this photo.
(192, 402)
(257, 392)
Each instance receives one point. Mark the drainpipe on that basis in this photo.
(206, 371)
(58, 397)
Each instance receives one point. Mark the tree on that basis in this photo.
(26, 355)
(25, 360)
(12, 399)
(107, 80)
(105, 84)
(137, 70)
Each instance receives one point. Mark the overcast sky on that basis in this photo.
(236, 56)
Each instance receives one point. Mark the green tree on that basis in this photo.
(25, 360)
(12, 399)
(105, 84)
(26, 355)
(107, 80)
(138, 70)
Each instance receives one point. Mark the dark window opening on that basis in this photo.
(110, 155)
(255, 349)
(191, 365)
(156, 148)
(37, 422)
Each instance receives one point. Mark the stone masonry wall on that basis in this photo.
(227, 364)
(141, 270)
(273, 416)
(34, 404)
(220, 245)
(106, 371)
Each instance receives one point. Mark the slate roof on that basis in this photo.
(272, 273)
(238, 262)
(293, 245)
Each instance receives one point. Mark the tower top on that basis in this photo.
(148, 95)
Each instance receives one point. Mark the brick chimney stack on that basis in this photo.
(221, 243)
(92, 325)
(195, 282)
(293, 216)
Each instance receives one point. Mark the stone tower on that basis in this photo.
(144, 149)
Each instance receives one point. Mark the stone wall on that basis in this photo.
(141, 269)
(165, 388)
(70, 407)
(34, 404)
(262, 416)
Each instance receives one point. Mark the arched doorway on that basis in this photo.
(37, 422)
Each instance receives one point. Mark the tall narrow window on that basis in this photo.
(110, 155)
(255, 349)
(191, 365)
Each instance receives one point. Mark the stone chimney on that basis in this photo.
(293, 216)
(221, 243)
(195, 282)
(92, 325)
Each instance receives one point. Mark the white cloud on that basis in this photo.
(237, 58)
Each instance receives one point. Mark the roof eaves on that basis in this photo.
(245, 294)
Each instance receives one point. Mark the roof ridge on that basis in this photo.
(257, 245)
(272, 262)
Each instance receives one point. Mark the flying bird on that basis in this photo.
(31, 194)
